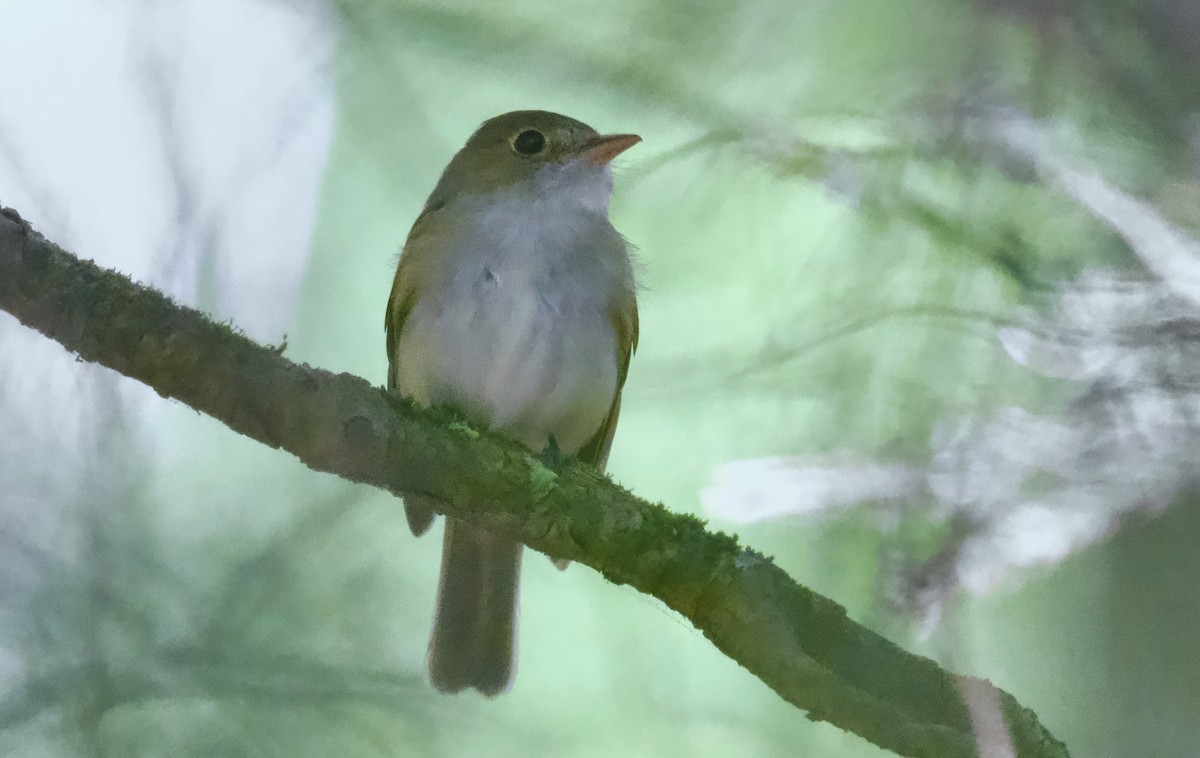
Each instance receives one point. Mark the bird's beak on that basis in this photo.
(603, 149)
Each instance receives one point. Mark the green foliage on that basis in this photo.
(827, 251)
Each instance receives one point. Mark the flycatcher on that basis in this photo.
(515, 301)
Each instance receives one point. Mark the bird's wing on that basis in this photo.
(416, 256)
(624, 317)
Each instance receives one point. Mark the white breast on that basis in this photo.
(520, 334)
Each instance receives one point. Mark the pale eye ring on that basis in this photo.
(529, 142)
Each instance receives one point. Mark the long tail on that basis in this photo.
(473, 628)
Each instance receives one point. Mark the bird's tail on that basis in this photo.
(472, 644)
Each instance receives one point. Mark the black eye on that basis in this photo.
(529, 142)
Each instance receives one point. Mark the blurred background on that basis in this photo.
(920, 319)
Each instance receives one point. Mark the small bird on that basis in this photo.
(514, 300)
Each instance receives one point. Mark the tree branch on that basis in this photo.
(799, 643)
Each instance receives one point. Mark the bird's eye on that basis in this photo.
(529, 142)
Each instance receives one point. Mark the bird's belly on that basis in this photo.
(515, 361)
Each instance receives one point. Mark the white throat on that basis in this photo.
(576, 182)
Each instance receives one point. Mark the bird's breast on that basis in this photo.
(519, 336)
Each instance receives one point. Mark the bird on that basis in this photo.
(515, 301)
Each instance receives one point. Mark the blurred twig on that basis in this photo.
(1167, 251)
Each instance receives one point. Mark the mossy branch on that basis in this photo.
(799, 643)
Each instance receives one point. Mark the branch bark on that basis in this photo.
(799, 643)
